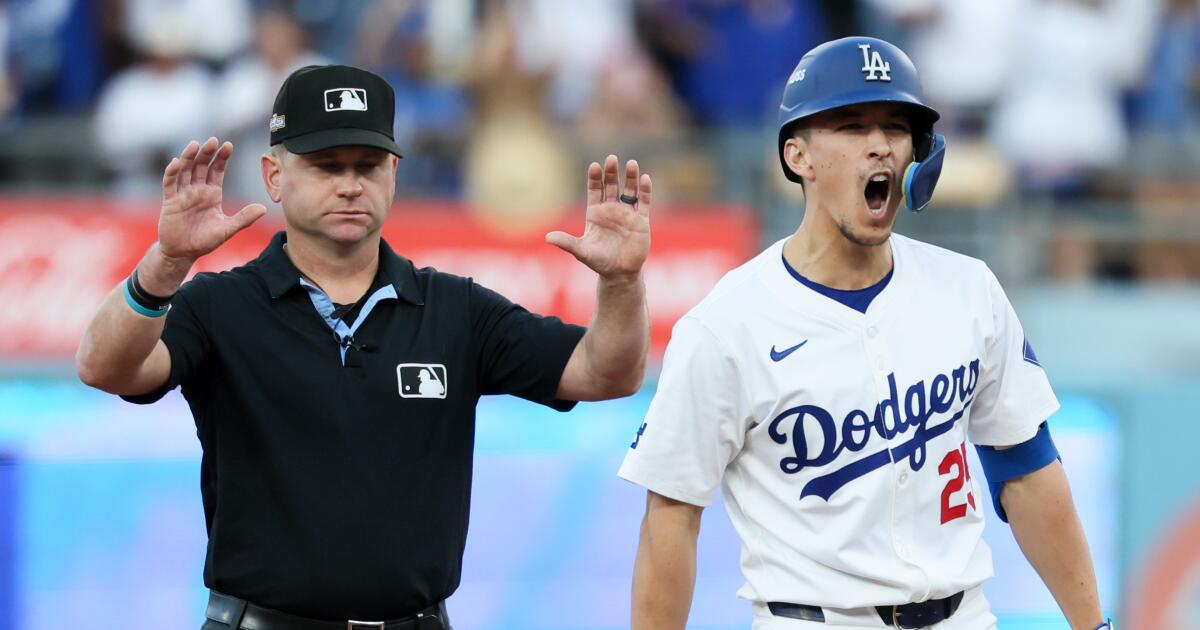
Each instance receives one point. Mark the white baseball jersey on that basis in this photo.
(838, 438)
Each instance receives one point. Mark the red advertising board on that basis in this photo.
(60, 257)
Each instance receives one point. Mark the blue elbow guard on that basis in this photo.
(1028, 456)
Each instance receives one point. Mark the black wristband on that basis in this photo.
(143, 298)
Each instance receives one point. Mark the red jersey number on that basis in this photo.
(955, 460)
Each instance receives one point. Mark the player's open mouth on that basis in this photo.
(878, 192)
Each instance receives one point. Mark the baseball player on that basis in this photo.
(830, 385)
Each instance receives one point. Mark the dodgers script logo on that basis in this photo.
(919, 405)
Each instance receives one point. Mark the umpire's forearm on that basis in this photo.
(1047, 528)
(118, 340)
(664, 574)
(619, 336)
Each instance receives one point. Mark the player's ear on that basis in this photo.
(272, 172)
(797, 157)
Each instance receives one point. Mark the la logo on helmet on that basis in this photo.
(874, 66)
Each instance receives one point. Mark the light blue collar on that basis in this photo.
(343, 332)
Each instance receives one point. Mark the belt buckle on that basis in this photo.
(896, 619)
(364, 625)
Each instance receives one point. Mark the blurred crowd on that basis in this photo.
(501, 102)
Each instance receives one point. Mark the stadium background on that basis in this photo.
(1072, 170)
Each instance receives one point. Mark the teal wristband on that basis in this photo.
(142, 310)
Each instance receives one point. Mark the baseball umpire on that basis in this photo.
(830, 385)
(334, 385)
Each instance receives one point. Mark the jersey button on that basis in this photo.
(903, 478)
(872, 331)
(879, 362)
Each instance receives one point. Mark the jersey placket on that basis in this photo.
(900, 476)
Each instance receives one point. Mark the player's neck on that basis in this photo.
(343, 272)
(827, 257)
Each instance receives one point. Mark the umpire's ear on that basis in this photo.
(272, 168)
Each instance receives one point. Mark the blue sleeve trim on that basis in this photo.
(1029, 456)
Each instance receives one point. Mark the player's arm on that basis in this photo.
(1029, 487)
(664, 574)
(121, 351)
(1047, 528)
(610, 360)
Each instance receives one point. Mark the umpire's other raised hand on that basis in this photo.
(121, 351)
(616, 233)
(192, 222)
(610, 361)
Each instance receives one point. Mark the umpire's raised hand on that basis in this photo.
(616, 232)
(121, 351)
(610, 361)
(192, 222)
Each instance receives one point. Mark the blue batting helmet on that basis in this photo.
(855, 70)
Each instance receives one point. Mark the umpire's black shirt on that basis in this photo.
(339, 486)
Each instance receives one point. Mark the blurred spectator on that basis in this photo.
(1167, 103)
(1060, 117)
(635, 113)
(964, 51)
(729, 59)
(516, 167)
(631, 97)
(334, 24)
(246, 92)
(571, 41)
(148, 112)
(395, 39)
(52, 50)
(217, 29)
(1166, 160)
(500, 84)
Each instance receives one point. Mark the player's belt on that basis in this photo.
(920, 614)
(242, 615)
(904, 616)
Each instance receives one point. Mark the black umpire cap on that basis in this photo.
(319, 107)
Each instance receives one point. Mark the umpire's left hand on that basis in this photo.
(616, 234)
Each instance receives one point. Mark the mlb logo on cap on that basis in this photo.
(339, 99)
(322, 107)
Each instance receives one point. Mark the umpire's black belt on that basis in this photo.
(904, 616)
(242, 615)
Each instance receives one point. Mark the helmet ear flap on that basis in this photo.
(922, 174)
(922, 142)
